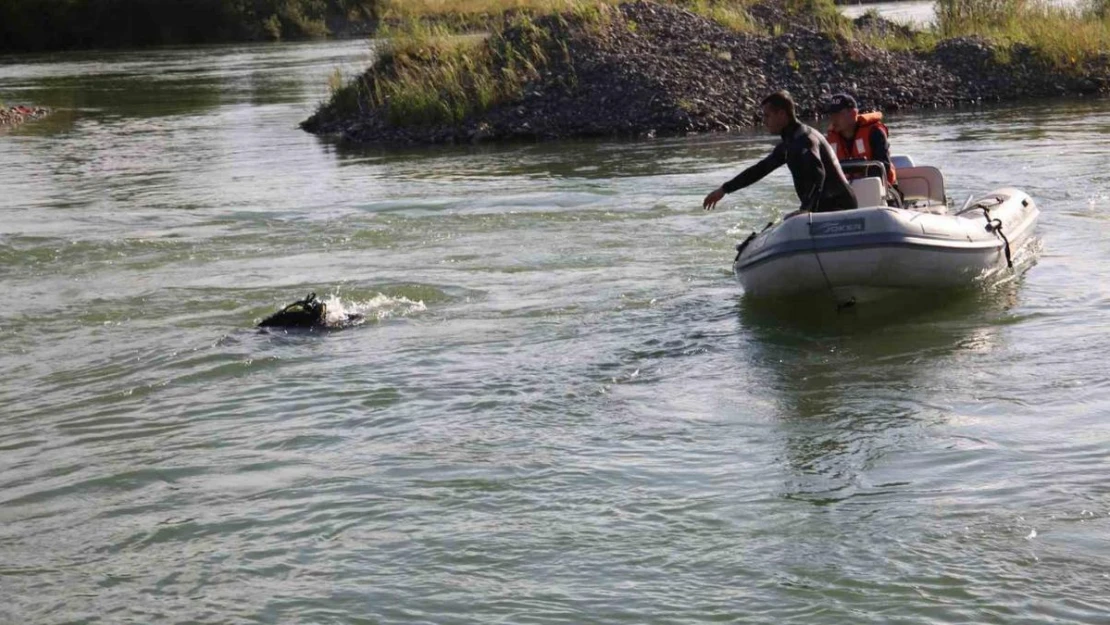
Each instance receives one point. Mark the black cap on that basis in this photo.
(840, 102)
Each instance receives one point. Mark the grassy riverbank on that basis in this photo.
(698, 64)
(1066, 36)
(430, 71)
(463, 13)
(35, 25)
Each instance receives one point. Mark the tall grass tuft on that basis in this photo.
(960, 17)
(468, 11)
(731, 14)
(823, 13)
(430, 75)
(1062, 36)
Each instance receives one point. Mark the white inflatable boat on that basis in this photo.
(869, 251)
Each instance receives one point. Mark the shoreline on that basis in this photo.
(648, 69)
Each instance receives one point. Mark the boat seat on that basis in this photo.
(869, 192)
(921, 183)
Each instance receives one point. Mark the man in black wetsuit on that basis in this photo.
(818, 180)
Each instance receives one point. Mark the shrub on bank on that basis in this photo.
(428, 74)
(27, 25)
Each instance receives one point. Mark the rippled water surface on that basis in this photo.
(560, 409)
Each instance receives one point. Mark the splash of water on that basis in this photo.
(342, 314)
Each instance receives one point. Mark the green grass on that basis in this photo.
(732, 14)
(441, 84)
(405, 10)
(471, 13)
(429, 74)
(1063, 36)
(824, 13)
(433, 71)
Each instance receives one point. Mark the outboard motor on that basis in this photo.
(306, 313)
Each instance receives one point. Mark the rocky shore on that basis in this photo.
(16, 115)
(656, 69)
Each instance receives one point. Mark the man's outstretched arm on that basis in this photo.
(748, 177)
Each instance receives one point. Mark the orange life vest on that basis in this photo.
(860, 145)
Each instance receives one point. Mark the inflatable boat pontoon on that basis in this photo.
(869, 251)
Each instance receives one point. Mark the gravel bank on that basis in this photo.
(658, 69)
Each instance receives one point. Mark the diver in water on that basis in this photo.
(307, 313)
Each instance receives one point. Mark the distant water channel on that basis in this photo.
(560, 410)
(915, 13)
(911, 13)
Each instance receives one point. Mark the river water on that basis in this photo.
(913, 12)
(923, 13)
(560, 409)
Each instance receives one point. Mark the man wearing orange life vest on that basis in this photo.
(856, 136)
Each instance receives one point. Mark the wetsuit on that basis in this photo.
(818, 179)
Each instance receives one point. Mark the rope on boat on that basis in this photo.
(993, 223)
(828, 283)
(995, 226)
(984, 204)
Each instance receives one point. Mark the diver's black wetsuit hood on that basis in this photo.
(306, 313)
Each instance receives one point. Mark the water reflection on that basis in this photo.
(850, 384)
(173, 81)
(267, 87)
(587, 159)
